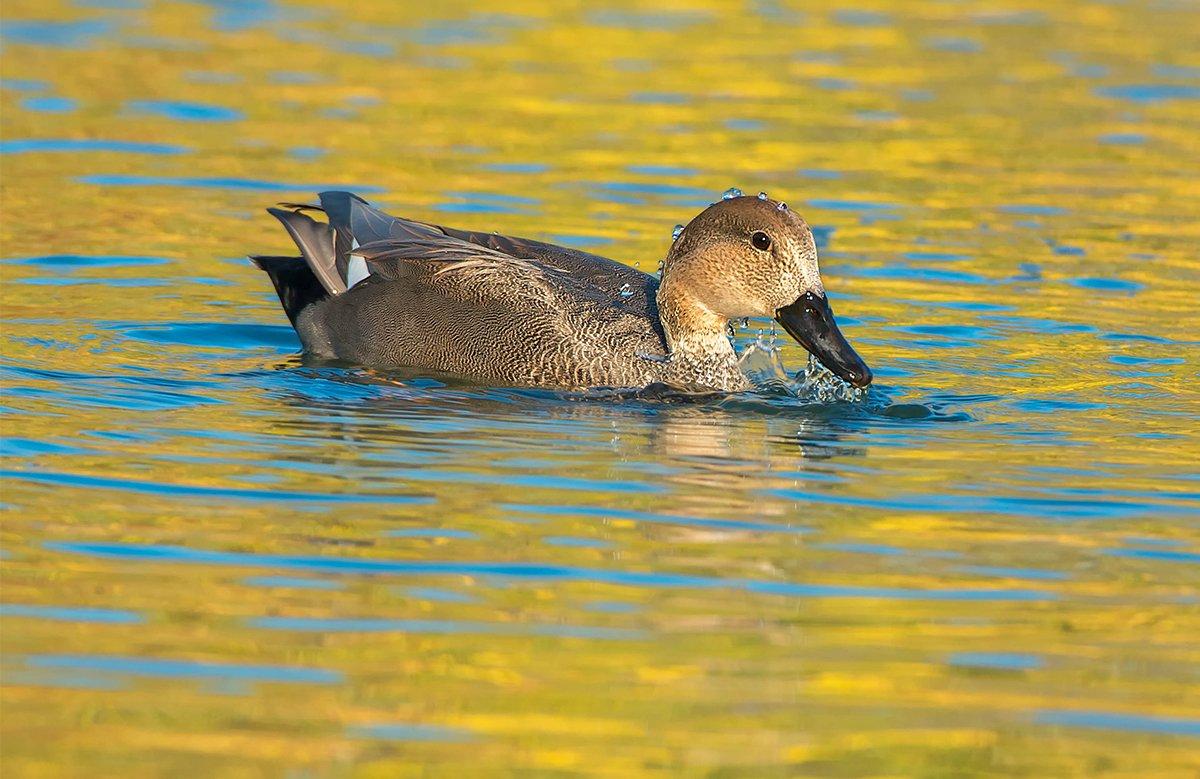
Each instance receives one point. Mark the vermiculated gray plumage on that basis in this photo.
(501, 309)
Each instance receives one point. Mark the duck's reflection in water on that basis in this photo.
(708, 457)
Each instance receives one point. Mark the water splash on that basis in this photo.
(731, 193)
(762, 363)
(817, 384)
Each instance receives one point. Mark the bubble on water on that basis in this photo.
(782, 206)
(762, 195)
(731, 193)
(626, 291)
(676, 232)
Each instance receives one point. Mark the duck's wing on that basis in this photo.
(474, 274)
(356, 223)
(608, 276)
(473, 277)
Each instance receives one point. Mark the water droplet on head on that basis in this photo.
(782, 206)
(731, 193)
(762, 195)
(676, 232)
(626, 292)
(746, 321)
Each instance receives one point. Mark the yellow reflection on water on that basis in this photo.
(1008, 197)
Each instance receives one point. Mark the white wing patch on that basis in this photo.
(357, 270)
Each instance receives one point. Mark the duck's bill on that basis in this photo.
(810, 321)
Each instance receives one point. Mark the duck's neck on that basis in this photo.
(691, 328)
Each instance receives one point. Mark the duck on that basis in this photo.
(382, 291)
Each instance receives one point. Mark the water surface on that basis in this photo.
(220, 559)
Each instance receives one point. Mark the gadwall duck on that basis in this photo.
(375, 289)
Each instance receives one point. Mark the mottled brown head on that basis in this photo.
(751, 256)
(745, 256)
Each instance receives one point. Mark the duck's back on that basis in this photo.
(480, 305)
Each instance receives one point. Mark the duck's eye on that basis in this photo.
(761, 241)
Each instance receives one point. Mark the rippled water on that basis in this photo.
(219, 559)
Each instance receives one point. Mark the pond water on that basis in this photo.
(221, 560)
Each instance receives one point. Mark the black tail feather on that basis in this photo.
(294, 280)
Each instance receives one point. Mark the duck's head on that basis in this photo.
(754, 256)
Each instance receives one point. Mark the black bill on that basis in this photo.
(810, 321)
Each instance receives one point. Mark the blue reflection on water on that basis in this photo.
(1109, 720)
(1150, 93)
(163, 668)
(186, 111)
(955, 45)
(222, 336)
(55, 34)
(850, 205)
(396, 731)
(71, 613)
(1123, 139)
(49, 104)
(1167, 555)
(516, 167)
(217, 182)
(522, 571)
(204, 491)
(1106, 284)
(1002, 661)
(576, 542)
(69, 263)
(431, 532)
(27, 145)
(858, 18)
(439, 595)
(1031, 209)
(579, 241)
(24, 84)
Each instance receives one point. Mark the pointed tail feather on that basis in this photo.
(315, 241)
